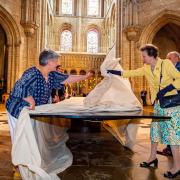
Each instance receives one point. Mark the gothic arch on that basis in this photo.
(90, 27)
(13, 44)
(63, 27)
(163, 18)
(10, 27)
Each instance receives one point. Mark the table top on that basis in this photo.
(100, 116)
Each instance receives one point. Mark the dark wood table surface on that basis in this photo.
(100, 116)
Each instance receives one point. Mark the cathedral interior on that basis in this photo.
(83, 32)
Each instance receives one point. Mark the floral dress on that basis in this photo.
(166, 131)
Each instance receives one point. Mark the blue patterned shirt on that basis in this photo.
(32, 83)
(178, 66)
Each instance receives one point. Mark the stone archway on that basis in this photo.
(167, 39)
(161, 20)
(13, 46)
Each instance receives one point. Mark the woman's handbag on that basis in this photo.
(168, 101)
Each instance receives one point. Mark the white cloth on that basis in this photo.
(39, 149)
(115, 93)
(124, 131)
(12, 124)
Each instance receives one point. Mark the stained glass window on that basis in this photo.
(66, 6)
(92, 41)
(66, 41)
(93, 7)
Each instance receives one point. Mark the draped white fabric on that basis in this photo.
(115, 93)
(39, 149)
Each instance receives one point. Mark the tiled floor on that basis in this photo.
(97, 156)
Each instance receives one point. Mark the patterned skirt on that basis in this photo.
(166, 131)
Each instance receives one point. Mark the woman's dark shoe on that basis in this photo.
(146, 165)
(171, 175)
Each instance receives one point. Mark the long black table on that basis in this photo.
(100, 116)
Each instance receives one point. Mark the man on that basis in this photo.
(143, 97)
(174, 57)
(58, 94)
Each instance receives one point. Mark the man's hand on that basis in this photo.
(31, 101)
(115, 72)
(163, 91)
(89, 74)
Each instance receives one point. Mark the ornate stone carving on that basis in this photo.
(29, 28)
(132, 33)
(28, 11)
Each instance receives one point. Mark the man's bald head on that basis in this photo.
(173, 56)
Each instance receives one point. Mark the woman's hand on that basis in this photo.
(31, 101)
(115, 72)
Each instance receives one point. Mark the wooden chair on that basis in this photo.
(5, 96)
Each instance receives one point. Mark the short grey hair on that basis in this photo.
(175, 53)
(46, 55)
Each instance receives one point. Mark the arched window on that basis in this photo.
(66, 41)
(67, 7)
(93, 7)
(92, 41)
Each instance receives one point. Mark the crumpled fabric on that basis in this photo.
(39, 149)
(115, 93)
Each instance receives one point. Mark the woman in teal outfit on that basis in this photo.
(166, 132)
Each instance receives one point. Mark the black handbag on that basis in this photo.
(168, 101)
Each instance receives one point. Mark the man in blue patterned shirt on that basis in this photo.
(35, 86)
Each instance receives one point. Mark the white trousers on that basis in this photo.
(12, 124)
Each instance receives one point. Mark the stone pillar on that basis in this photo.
(57, 7)
(118, 25)
(28, 12)
(17, 60)
(10, 72)
(29, 29)
(132, 34)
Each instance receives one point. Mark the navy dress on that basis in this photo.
(32, 83)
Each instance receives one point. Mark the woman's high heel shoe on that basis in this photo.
(171, 175)
(146, 165)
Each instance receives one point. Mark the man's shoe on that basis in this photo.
(167, 151)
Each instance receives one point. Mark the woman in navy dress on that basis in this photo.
(35, 86)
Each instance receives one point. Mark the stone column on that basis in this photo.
(57, 7)
(132, 34)
(118, 25)
(29, 29)
(10, 70)
(17, 62)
